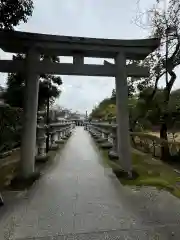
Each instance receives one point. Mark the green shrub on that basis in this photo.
(10, 127)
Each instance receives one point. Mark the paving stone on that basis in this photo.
(78, 199)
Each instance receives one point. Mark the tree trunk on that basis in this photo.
(165, 154)
(164, 146)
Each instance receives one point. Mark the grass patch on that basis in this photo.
(6, 174)
(9, 171)
(8, 168)
(20, 184)
(148, 171)
(41, 166)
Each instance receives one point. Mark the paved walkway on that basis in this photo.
(80, 199)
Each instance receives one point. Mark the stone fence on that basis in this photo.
(58, 132)
(106, 135)
(152, 144)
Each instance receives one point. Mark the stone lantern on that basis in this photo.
(41, 140)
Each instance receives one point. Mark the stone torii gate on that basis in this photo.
(34, 45)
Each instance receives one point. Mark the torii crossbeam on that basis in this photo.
(34, 45)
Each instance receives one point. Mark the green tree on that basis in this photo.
(149, 115)
(12, 12)
(48, 87)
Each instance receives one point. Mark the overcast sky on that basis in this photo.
(87, 18)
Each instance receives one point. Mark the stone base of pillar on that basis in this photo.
(92, 134)
(65, 138)
(42, 158)
(113, 155)
(95, 136)
(106, 145)
(101, 140)
(20, 182)
(131, 175)
(68, 135)
(54, 147)
(61, 141)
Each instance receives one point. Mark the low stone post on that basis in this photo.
(95, 132)
(64, 137)
(90, 129)
(62, 132)
(70, 129)
(67, 131)
(41, 143)
(113, 153)
(98, 133)
(59, 132)
(86, 126)
(107, 144)
(102, 134)
(53, 138)
(106, 135)
(101, 138)
(50, 136)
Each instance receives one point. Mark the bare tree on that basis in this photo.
(163, 21)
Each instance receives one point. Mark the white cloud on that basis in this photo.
(90, 18)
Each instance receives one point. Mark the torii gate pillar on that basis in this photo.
(28, 145)
(124, 146)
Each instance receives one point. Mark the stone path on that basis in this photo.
(78, 198)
